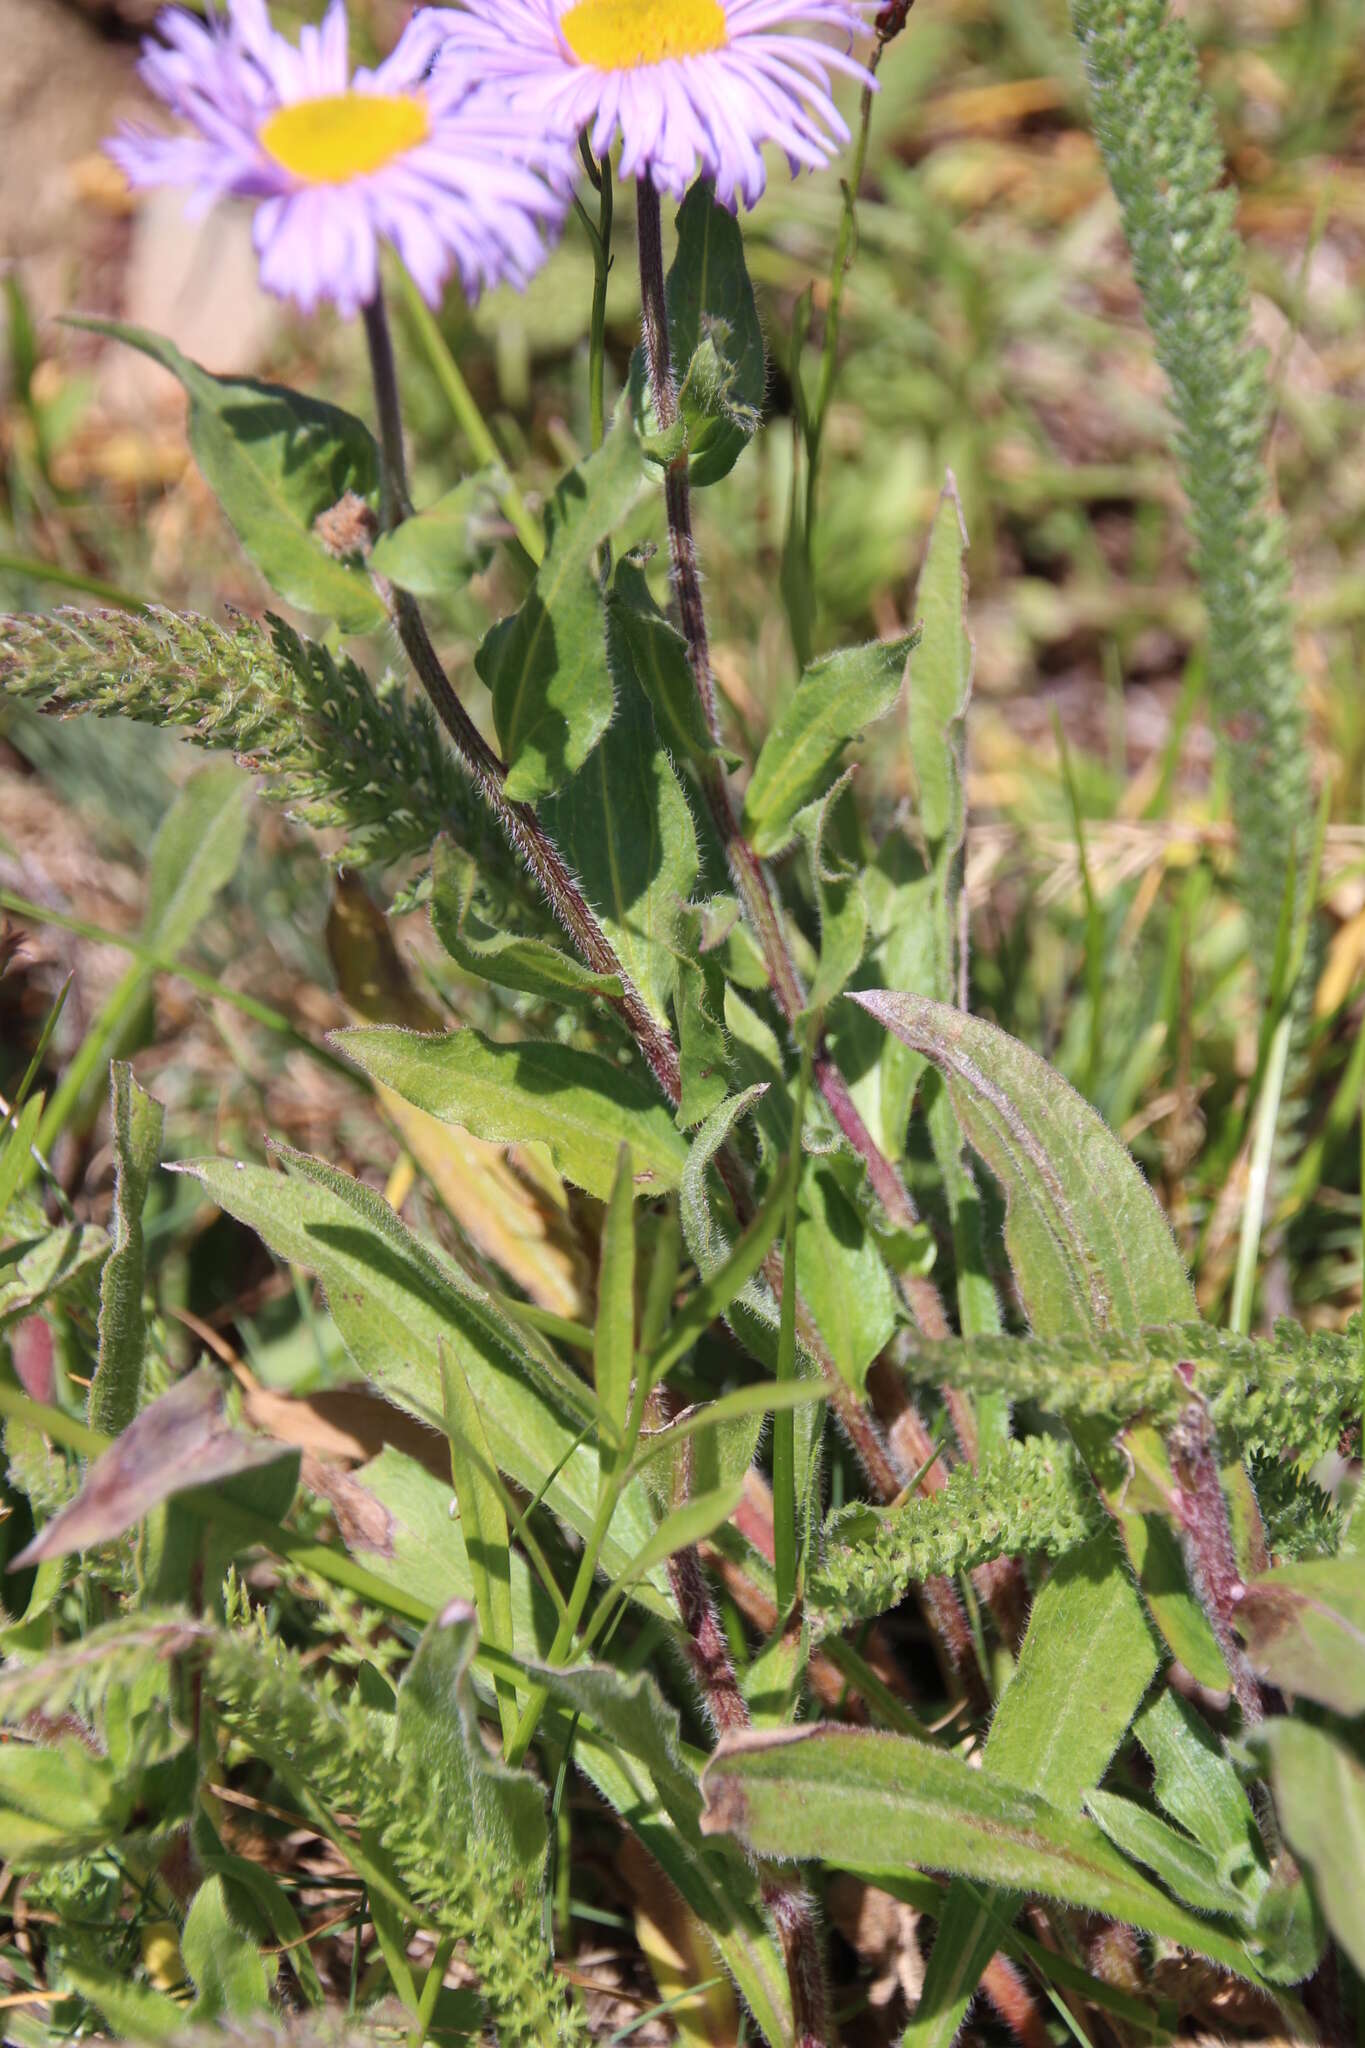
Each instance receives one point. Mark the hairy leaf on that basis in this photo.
(137, 1120)
(434, 553)
(578, 1103)
(625, 826)
(396, 1301)
(547, 665)
(880, 1803)
(276, 461)
(181, 1440)
(715, 340)
(534, 965)
(1320, 1796)
(1087, 1659)
(1304, 1628)
(834, 700)
(1088, 1243)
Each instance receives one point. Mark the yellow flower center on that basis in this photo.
(616, 35)
(347, 135)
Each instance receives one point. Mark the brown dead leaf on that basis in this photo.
(363, 1521)
(181, 1440)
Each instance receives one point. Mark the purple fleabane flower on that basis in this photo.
(689, 85)
(428, 159)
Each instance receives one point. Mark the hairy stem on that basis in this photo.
(518, 821)
(1206, 1531)
(745, 866)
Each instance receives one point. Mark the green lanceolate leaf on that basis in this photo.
(843, 1279)
(715, 340)
(483, 1524)
(628, 1742)
(547, 665)
(835, 699)
(397, 1301)
(222, 1958)
(194, 855)
(658, 656)
(1304, 1628)
(434, 553)
(1182, 1865)
(614, 1336)
(1194, 1781)
(276, 462)
(116, 1390)
(625, 826)
(578, 1103)
(687, 1525)
(475, 1798)
(32, 1271)
(1091, 1252)
(16, 1149)
(1320, 1795)
(533, 965)
(1087, 1659)
(1089, 1245)
(830, 829)
(884, 1804)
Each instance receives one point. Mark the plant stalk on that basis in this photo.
(747, 869)
(523, 829)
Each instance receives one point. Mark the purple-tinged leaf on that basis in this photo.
(180, 1441)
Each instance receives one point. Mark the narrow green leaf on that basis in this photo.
(194, 855)
(483, 1524)
(1088, 1243)
(1320, 1795)
(689, 1524)
(658, 656)
(624, 824)
(843, 1276)
(1304, 1628)
(136, 1121)
(578, 1103)
(1087, 1659)
(222, 1958)
(769, 1397)
(546, 666)
(614, 1337)
(715, 339)
(132, 2011)
(16, 1151)
(276, 461)
(1195, 1783)
(276, 1908)
(834, 700)
(726, 1279)
(477, 1799)
(875, 1803)
(533, 965)
(629, 1744)
(1179, 1862)
(436, 552)
(831, 831)
(396, 1300)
